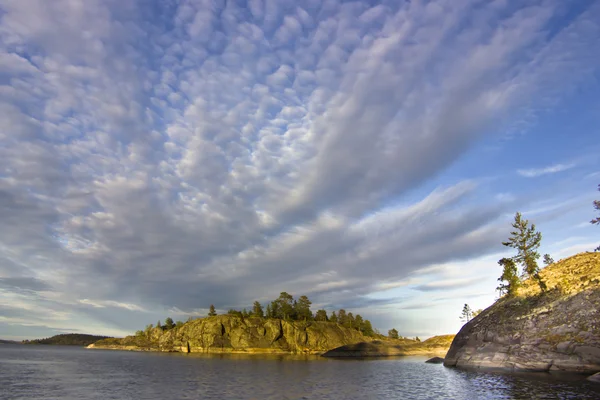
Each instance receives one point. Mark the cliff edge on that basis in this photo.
(557, 330)
(233, 334)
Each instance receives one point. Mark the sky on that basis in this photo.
(159, 157)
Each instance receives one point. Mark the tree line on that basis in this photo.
(287, 308)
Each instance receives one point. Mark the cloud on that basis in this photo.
(448, 284)
(193, 154)
(553, 169)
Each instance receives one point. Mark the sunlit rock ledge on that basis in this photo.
(554, 331)
(233, 334)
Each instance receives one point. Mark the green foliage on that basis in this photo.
(548, 260)
(179, 324)
(358, 323)
(211, 311)
(269, 311)
(169, 324)
(342, 317)
(302, 309)
(393, 333)
(367, 328)
(477, 312)
(596, 221)
(466, 314)
(333, 317)
(257, 310)
(321, 315)
(158, 325)
(510, 276)
(237, 313)
(70, 339)
(526, 240)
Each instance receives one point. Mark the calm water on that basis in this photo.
(49, 372)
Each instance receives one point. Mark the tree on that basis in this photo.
(211, 311)
(269, 311)
(333, 317)
(367, 328)
(466, 314)
(302, 307)
(477, 312)
(417, 339)
(349, 321)
(178, 324)
(342, 317)
(257, 310)
(509, 275)
(526, 240)
(321, 315)
(548, 260)
(169, 324)
(158, 325)
(237, 313)
(285, 305)
(393, 333)
(358, 323)
(596, 221)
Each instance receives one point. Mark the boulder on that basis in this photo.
(435, 360)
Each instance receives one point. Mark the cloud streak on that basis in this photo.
(552, 169)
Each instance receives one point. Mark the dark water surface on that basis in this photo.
(57, 372)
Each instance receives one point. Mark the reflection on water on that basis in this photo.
(47, 372)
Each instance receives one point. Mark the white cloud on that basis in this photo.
(552, 169)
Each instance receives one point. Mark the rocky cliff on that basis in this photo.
(232, 334)
(558, 330)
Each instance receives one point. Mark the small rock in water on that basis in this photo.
(435, 360)
(594, 378)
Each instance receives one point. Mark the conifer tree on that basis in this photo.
(526, 240)
(548, 260)
(257, 310)
(302, 308)
(321, 315)
(342, 317)
(393, 333)
(358, 323)
(211, 311)
(333, 317)
(367, 329)
(509, 275)
(169, 324)
(466, 314)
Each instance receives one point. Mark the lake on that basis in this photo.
(58, 372)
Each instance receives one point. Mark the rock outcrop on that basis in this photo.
(233, 334)
(557, 330)
(399, 347)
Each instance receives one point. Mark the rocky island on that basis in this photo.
(236, 334)
(554, 330)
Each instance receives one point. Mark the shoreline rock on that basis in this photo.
(554, 331)
(437, 345)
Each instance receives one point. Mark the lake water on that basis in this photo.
(56, 372)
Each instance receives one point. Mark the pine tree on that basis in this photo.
(158, 325)
(211, 311)
(269, 311)
(466, 314)
(509, 275)
(349, 320)
(358, 323)
(257, 310)
(342, 317)
(169, 324)
(333, 317)
(302, 308)
(367, 329)
(393, 333)
(285, 305)
(596, 221)
(548, 260)
(526, 240)
(321, 315)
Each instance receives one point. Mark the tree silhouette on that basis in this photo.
(467, 313)
(211, 311)
(596, 221)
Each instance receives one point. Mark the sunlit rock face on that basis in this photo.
(232, 334)
(558, 330)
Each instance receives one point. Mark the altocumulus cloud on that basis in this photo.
(169, 156)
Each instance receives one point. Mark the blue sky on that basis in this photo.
(371, 155)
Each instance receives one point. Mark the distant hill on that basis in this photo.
(68, 339)
(8, 342)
